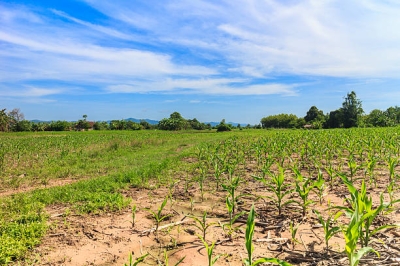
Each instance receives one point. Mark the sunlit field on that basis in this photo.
(341, 185)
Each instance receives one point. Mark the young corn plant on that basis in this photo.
(303, 188)
(370, 168)
(250, 247)
(228, 228)
(331, 173)
(278, 188)
(133, 215)
(218, 170)
(329, 230)
(361, 202)
(231, 199)
(351, 234)
(353, 167)
(202, 177)
(158, 217)
(202, 225)
(210, 250)
(266, 167)
(293, 232)
(137, 261)
(392, 163)
(166, 259)
(320, 187)
(391, 189)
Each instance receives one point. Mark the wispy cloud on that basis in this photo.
(324, 38)
(108, 31)
(29, 92)
(204, 86)
(211, 48)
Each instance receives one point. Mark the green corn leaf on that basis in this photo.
(360, 253)
(271, 260)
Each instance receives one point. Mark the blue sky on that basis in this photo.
(238, 60)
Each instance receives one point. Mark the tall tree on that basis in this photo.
(313, 114)
(3, 120)
(377, 118)
(351, 110)
(335, 119)
(174, 122)
(282, 121)
(15, 116)
(393, 113)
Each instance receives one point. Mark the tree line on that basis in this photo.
(14, 121)
(351, 114)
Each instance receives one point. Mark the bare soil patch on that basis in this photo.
(109, 238)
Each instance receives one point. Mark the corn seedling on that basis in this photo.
(370, 168)
(210, 249)
(202, 225)
(133, 215)
(329, 230)
(303, 188)
(157, 216)
(352, 164)
(218, 170)
(391, 163)
(137, 261)
(331, 173)
(320, 187)
(231, 188)
(191, 205)
(361, 202)
(279, 189)
(293, 232)
(166, 259)
(250, 247)
(228, 227)
(201, 178)
(390, 189)
(171, 188)
(351, 234)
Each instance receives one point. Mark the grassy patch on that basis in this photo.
(110, 162)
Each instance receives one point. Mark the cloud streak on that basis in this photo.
(204, 86)
(208, 48)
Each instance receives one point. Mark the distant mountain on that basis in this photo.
(39, 121)
(213, 124)
(151, 122)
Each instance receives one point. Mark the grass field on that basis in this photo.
(286, 174)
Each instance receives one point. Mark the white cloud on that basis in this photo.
(204, 86)
(29, 92)
(105, 30)
(327, 38)
(189, 46)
